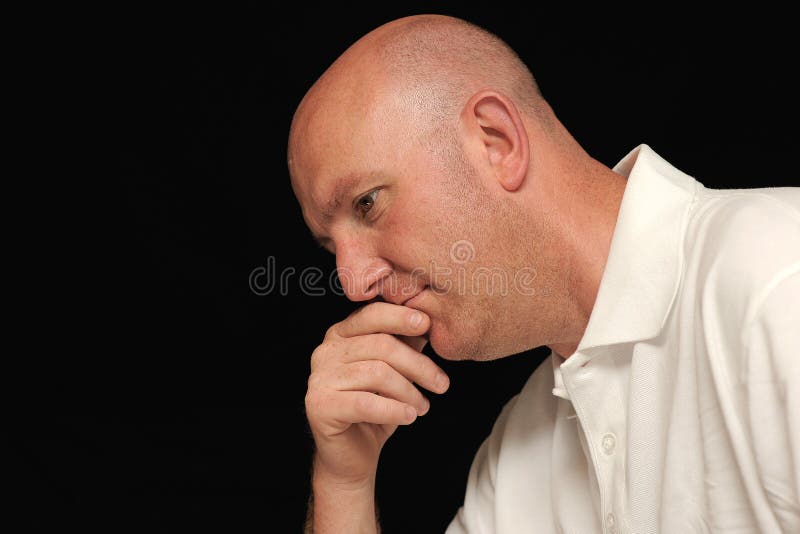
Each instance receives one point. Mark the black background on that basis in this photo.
(175, 400)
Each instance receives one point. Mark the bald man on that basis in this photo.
(426, 157)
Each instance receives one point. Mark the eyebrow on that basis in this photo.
(343, 187)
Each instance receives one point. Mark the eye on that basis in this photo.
(365, 203)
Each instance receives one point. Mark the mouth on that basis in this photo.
(410, 300)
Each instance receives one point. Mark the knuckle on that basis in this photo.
(377, 369)
(313, 402)
(327, 353)
(314, 381)
(317, 356)
(331, 331)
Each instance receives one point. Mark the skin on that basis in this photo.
(525, 196)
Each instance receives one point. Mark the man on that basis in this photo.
(670, 401)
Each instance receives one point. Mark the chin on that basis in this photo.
(452, 346)
(455, 345)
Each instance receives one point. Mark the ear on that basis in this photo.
(496, 126)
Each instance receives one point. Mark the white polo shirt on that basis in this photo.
(680, 410)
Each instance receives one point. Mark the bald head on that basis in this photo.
(430, 132)
(424, 68)
(442, 61)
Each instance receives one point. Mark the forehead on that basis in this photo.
(337, 148)
(324, 152)
(327, 165)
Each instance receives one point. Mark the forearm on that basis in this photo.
(335, 506)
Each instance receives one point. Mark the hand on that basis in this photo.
(362, 387)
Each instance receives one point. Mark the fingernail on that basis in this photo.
(416, 319)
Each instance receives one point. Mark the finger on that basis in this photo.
(415, 342)
(363, 407)
(383, 317)
(413, 365)
(377, 376)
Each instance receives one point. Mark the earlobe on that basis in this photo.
(504, 140)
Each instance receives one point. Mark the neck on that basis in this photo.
(586, 206)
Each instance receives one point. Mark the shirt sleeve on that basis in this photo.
(476, 515)
(772, 351)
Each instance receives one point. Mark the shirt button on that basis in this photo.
(609, 442)
(612, 529)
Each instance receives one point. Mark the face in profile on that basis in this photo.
(413, 227)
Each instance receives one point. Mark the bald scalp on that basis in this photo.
(435, 64)
(421, 70)
(445, 60)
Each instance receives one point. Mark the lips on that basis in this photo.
(406, 302)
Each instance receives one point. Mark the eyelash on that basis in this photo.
(371, 195)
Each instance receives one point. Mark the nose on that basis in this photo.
(361, 271)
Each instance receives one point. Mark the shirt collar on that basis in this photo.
(645, 259)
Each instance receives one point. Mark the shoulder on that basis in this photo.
(740, 247)
(771, 336)
(738, 241)
(731, 224)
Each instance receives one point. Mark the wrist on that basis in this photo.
(327, 478)
(342, 504)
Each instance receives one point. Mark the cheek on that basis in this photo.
(408, 229)
(422, 225)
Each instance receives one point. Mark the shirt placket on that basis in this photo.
(593, 384)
